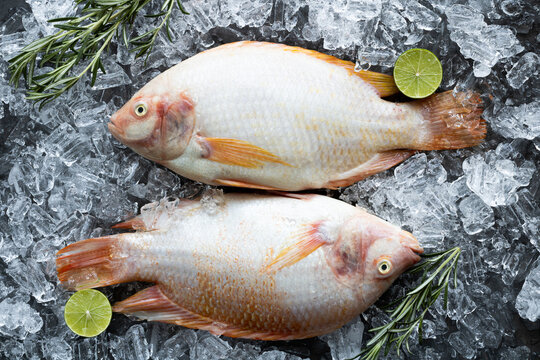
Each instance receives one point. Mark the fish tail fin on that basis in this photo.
(91, 263)
(454, 120)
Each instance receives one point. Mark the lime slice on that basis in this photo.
(88, 313)
(417, 73)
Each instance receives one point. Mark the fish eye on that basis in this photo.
(384, 267)
(141, 109)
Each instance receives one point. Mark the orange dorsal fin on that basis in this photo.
(153, 305)
(384, 84)
(135, 223)
(237, 152)
(309, 240)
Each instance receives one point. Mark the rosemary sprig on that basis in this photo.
(408, 312)
(81, 38)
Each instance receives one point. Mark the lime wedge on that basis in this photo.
(88, 313)
(417, 73)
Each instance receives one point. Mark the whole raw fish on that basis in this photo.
(271, 116)
(243, 265)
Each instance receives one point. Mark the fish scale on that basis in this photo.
(326, 103)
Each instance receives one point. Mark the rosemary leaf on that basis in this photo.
(84, 38)
(407, 313)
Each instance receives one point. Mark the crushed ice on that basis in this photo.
(63, 178)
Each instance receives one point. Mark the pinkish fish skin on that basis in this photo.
(263, 267)
(271, 116)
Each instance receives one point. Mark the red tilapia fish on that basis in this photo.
(254, 266)
(271, 116)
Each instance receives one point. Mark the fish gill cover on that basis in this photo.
(63, 178)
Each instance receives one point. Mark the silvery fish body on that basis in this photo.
(243, 265)
(271, 116)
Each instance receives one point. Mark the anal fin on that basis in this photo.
(153, 305)
(243, 184)
(309, 240)
(380, 162)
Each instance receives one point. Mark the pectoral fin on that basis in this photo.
(237, 152)
(309, 240)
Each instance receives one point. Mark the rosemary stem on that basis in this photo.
(411, 309)
(83, 37)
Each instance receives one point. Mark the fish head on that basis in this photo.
(156, 125)
(371, 253)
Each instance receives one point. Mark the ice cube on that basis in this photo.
(17, 318)
(17, 209)
(515, 263)
(65, 143)
(368, 56)
(462, 17)
(177, 346)
(40, 220)
(483, 328)
(115, 76)
(422, 17)
(518, 121)
(346, 342)
(496, 179)
(484, 43)
(462, 344)
(526, 67)
(30, 276)
(210, 346)
(517, 353)
(212, 200)
(11, 44)
(45, 10)
(86, 116)
(393, 20)
(363, 9)
(276, 355)
(480, 69)
(477, 216)
(91, 349)
(133, 345)
(12, 349)
(528, 300)
(245, 351)
(56, 349)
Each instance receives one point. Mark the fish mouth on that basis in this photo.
(114, 129)
(407, 239)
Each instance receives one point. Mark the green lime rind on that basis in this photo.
(417, 73)
(88, 313)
